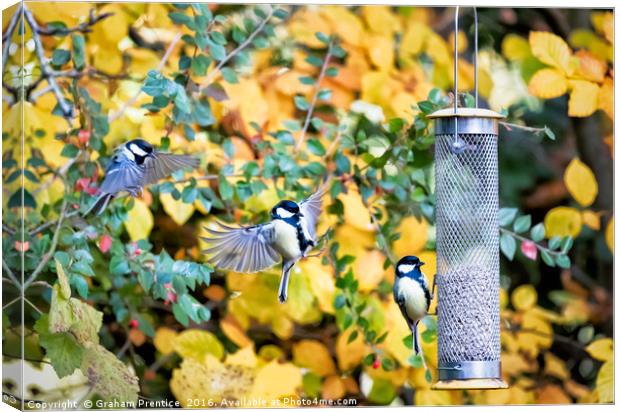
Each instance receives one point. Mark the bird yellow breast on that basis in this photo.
(286, 240)
(415, 299)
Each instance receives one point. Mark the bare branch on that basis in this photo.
(160, 66)
(6, 39)
(10, 274)
(52, 249)
(315, 97)
(85, 27)
(211, 76)
(46, 70)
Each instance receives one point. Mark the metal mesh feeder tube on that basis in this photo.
(467, 206)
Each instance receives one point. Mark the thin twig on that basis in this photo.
(246, 42)
(7, 229)
(10, 273)
(7, 36)
(82, 27)
(60, 173)
(33, 305)
(52, 248)
(46, 70)
(524, 239)
(11, 302)
(160, 66)
(315, 97)
(51, 223)
(510, 126)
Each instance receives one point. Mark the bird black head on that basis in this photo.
(140, 149)
(285, 209)
(408, 264)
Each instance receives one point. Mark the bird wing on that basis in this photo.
(242, 249)
(160, 165)
(311, 209)
(122, 174)
(400, 301)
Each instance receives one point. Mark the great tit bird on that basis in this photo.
(288, 237)
(134, 165)
(412, 295)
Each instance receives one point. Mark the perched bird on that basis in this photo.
(288, 237)
(412, 295)
(134, 165)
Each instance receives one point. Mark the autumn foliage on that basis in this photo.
(273, 100)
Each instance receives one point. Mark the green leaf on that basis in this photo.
(108, 376)
(563, 261)
(316, 147)
(63, 281)
(200, 64)
(301, 103)
(180, 18)
(314, 61)
(522, 224)
(408, 341)
(426, 107)
(217, 51)
(555, 242)
(508, 245)
(331, 72)
(324, 94)
(322, 37)
(352, 336)
(538, 232)
(547, 258)
(69, 150)
(64, 352)
(387, 364)
(79, 57)
(507, 215)
(415, 361)
(566, 244)
(307, 80)
(229, 75)
(549, 133)
(60, 57)
(340, 301)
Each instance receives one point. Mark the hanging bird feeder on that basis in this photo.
(467, 207)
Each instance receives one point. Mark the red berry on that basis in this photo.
(83, 136)
(105, 243)
(133, 323)
(376, 364)
(171, 297)
(22, 246)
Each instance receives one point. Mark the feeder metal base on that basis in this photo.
(469, 384)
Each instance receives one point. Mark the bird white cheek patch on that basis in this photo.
(128, 154)
(283, 213)
(406, 268)
(136, 149)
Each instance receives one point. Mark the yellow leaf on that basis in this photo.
(515, 47)
(590, 67)
(350, 354)
(333, 388)
(548, 84)
(243, 357)
(380, 50)
(321, 282)
(315, 356)
(346, 24)
(275, 381)
(555, 366)
(305, 24)
(432, 397)
(535, 334)
(580, 182)
(437, 49)
(603, 23)
(605, 382)
(413, 236)
(583, 100)
(139, 221)
(462, 42)
(413, 39)
(197, 344)
(164, 340)
(369, 269)
(234, 332)
(524, 297)
(562, 221)
(601, 349)
(609, 235)
(179, 211)
(210, 381)
(381, 19)
(551, 49)
(355, 212)
(606, 97)
(591, 219)
(552, 394)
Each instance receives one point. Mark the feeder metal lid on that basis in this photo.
(465, 112)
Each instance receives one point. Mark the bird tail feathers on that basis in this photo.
(283, 289)
(100, 204)
(417, 348)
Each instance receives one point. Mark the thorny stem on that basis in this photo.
(211, 76)
(160, 66)
(46, 70)
(52, 248)
(315, 97)
(524, 239)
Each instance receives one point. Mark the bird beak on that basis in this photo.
(421, 264)
(301, 214)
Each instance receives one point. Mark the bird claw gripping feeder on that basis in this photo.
(467, 207)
